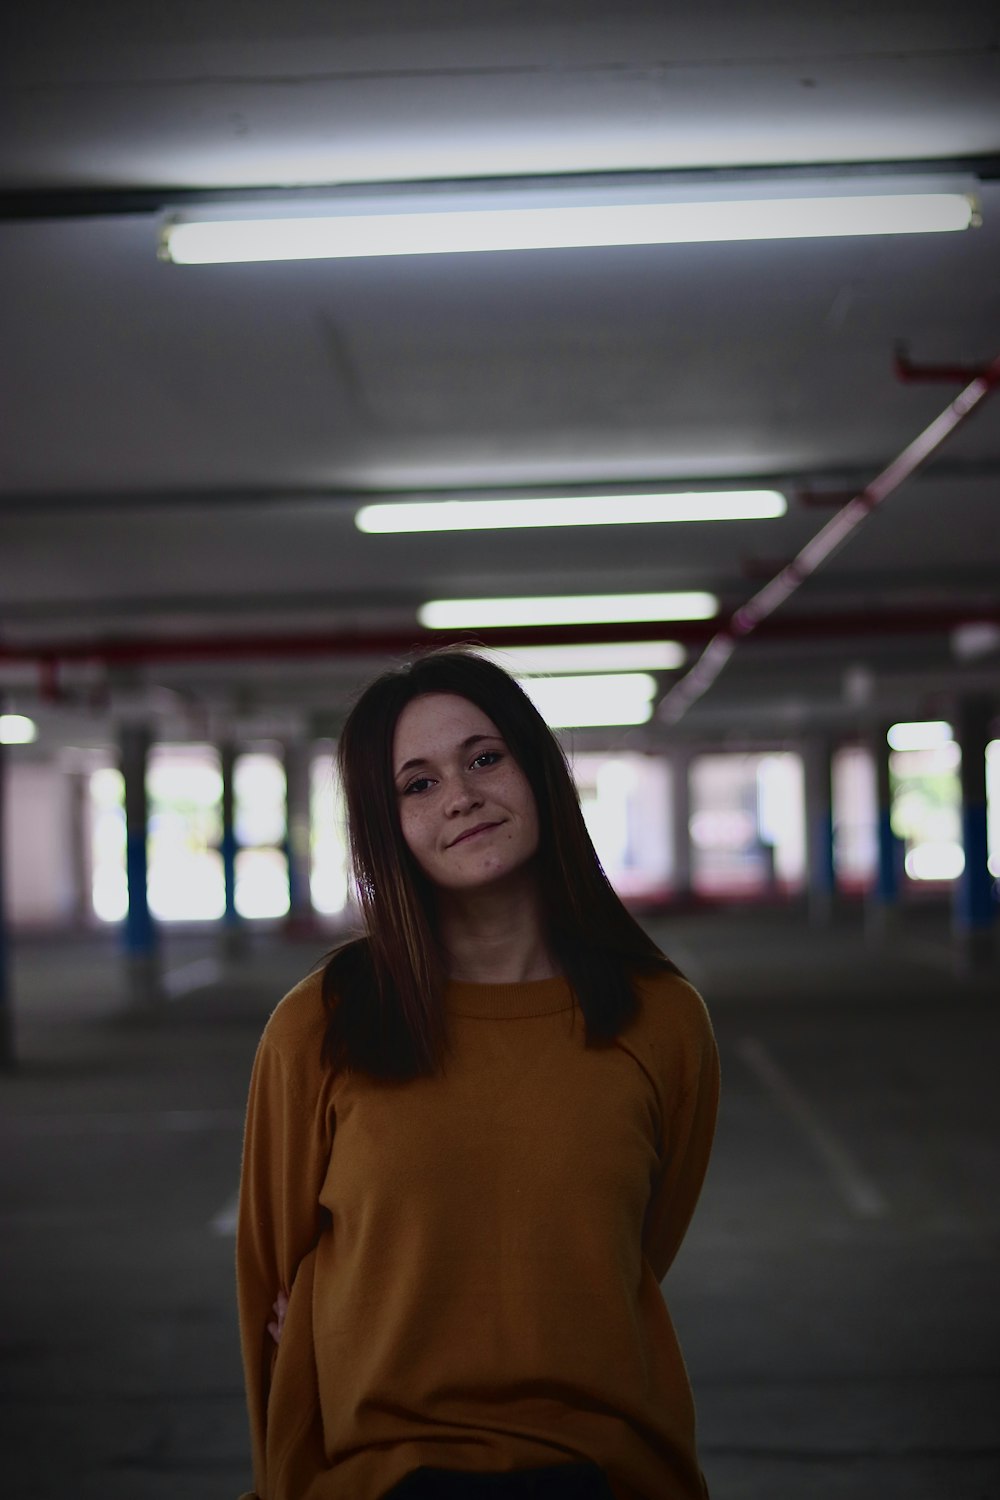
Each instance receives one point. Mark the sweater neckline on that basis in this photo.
(537, 997)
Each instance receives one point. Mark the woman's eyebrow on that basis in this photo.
(467, 744)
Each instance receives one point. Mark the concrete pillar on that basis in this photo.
(7, 1059)
(134, 742)
(818, 774)
(974, 906)
(883, 902)
(232, 927)
(298, 831)
(680, 820)
(79, 829)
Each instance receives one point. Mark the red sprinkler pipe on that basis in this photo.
(144, 650)
(824, 498)
(913, 374)
(824, 544)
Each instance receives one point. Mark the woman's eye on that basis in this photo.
(488, 758)
(416, 786)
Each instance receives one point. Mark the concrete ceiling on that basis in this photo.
(183, 448)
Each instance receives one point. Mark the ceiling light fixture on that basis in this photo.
(580, 702)
(602, 656)
(17, 729)
(569, 510)
(926, 734)
(434, 219)
(581, 609)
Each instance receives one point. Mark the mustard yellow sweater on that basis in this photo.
(474, 1259)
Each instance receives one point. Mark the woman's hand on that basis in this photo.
(280, 1308)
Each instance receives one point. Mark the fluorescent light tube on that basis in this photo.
(977, 638)
(584, 609)
(577, 702)
(17, 729)
(569, 510)
(929, 734)
(602, 656)
(423, 229)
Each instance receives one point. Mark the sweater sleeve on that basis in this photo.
(690, 1106)
(286, 1150)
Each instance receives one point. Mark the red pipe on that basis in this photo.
(828, 540)
(700, 677)
(907, 371)
(824, 498)
(139, 650)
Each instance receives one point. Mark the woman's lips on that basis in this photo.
(470, 833)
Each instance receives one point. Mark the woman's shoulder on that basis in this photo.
(299, 1019)
(671, 1003)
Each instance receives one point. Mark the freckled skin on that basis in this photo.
(454, 773)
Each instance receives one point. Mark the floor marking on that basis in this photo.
(192, 976)
(224, 1222)
(861, 1195)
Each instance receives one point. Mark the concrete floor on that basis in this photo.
(836, 1298)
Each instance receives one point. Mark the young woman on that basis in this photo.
(474, 1140)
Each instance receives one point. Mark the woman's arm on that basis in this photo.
(285, 1155)
(690, 1107)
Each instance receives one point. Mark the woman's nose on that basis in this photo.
(462, 796)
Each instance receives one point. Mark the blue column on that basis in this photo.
(818, 758)
(227, 760)
(298, 833)
(7, 1059)
(974, 906)
(140, 935)
(233, 930)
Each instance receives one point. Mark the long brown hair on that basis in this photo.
(384, 992)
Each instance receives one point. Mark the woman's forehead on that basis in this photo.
(439, 721)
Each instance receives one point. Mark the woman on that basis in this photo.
(474, 1141)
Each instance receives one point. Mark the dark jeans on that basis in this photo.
(558, 1482)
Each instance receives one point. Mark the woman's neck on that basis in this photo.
(494, 938)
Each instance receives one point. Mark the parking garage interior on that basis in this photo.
(719, 487)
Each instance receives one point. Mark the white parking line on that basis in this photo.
(860, 1194)
(191, 976)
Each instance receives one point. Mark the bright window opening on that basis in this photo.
(109, 884)
(329, 878)
(855, 818)
(185, 876)
(926, 804)
(625, 799)
(185, 880)
(747, 824)
(260, 826)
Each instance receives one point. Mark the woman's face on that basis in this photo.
(465, 807)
